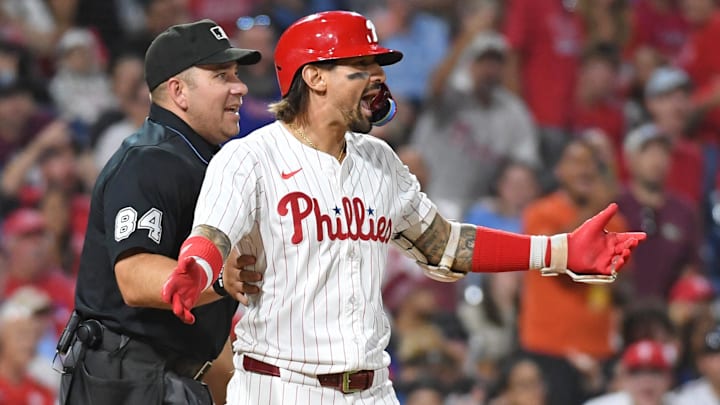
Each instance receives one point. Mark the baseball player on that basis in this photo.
(318, 201)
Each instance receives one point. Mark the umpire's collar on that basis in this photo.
(174, 124)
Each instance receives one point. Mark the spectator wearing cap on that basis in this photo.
(671, 223)
(705, 389)
(691, 309)
(690, 297)
(80, 88)
(26, 245)
(465, 133)
(644, 376)
(667, 98)
(41, 308)
(19, 336)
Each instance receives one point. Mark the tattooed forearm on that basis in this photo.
(464, 253)
(216, 236)
(433, 241)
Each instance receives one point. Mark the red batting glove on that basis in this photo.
(183, 287)
(593, 250)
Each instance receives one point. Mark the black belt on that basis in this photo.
(347, 382)
(96, 336)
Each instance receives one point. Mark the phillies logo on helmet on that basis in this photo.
(372, 35)
(355, 225)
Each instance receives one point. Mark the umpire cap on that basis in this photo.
(182, 46)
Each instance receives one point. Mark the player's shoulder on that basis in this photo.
(257, 146)
(258, 139)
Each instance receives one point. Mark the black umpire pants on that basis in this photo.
(122, 371)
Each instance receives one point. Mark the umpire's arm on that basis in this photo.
(140, 277)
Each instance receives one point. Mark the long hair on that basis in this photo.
(295, 103)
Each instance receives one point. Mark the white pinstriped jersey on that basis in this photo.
(320, 232)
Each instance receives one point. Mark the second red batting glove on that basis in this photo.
(591, 254)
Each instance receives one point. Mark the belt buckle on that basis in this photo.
(200, 373)
(346, 383)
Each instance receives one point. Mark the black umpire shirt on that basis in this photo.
(144, 200)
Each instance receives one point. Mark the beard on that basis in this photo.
(357, 122)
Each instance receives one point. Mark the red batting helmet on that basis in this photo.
(326, 36)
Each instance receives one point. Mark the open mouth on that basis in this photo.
(366, 104)
(234, 109)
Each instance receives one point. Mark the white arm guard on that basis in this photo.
(443, 271)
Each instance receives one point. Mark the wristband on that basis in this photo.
(219, 286)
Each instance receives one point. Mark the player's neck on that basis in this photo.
(325, 137)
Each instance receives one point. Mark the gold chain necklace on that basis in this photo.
(307, 140)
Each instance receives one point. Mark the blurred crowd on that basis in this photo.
(523, 115)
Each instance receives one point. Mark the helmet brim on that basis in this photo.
(388, 58)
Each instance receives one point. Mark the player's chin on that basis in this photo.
(361, 126)
(359, 122)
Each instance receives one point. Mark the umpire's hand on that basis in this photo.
(237, 279)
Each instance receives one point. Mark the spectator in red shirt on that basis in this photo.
(27, 246)
(660, 25)
(19, 335)
(545, 38)
(596, 105)
(667, 97)
(702, 62)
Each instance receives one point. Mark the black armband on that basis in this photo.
(219, 286)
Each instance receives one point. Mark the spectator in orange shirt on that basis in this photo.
(558, 318)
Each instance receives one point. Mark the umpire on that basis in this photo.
(123, 345)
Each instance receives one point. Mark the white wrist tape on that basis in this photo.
(558, 252)
(208, 270)
(538, 250)
(448, 257)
